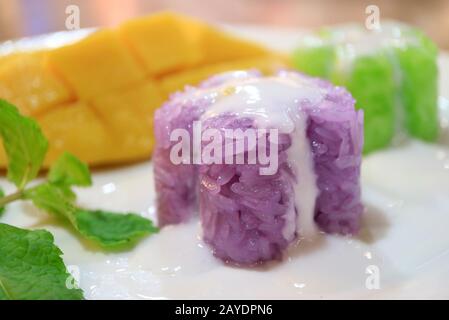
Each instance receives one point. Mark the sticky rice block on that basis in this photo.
(176, 184)
(248, 217)
(391, 72)
(335, 133)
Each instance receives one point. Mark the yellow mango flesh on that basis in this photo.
(96, 65)
(218, 46)
(76, 127)
(129, 114)
(169, 42)
(161, 42)
(96, 98)
(27, 81)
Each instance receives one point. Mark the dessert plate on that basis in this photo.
(401, 252)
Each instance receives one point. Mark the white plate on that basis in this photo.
(405, 239)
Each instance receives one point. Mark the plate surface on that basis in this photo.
(402, 251)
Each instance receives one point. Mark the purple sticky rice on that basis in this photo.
(176, 185)
(242, 212)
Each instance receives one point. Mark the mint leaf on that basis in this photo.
(31, 267)
(68, 193)
(24, 144)
(107, 229)
(113, 230)
(53, 199)
(2, 209)
(30, 264)
(70, 171)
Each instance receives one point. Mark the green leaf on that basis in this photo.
(68, 193)
(54, 199)
(113, 230)
(2, 209)
(70, 171)
(31, 267)
(24, 144)
(107, 229)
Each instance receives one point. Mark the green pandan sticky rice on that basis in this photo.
(391, 72)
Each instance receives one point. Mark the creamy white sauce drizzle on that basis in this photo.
(269, 100)
(305, 188)
(274, 102)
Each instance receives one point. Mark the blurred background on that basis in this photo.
(29, 17)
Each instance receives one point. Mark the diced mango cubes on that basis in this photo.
(96, 65)
(77, 128)
(27, 81)
(162, 43)
(96, 97)
(218, 46)
(130, 116)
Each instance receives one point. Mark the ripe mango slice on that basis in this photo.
(129, 114)
(27, 81)
(96, 65)
(169, 42)
(76, 127)
(96, 97)
(163, 42)
(218, 46)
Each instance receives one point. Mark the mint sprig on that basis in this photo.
(70, 171)
(34, 251)
(26, 147)
(108, 229)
